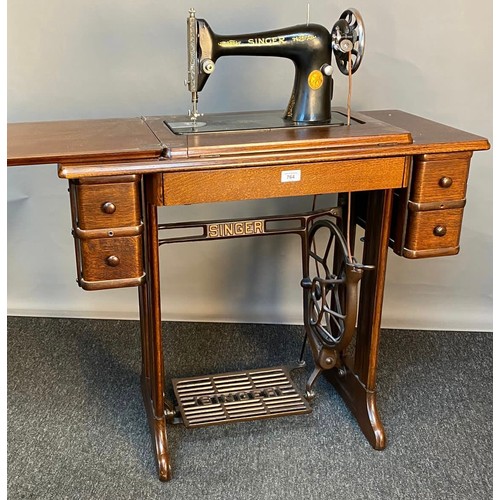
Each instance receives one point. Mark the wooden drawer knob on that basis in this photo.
(112, 260)
(439, 230)
(445, 182)
(108, 208)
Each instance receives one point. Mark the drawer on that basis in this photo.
(440, 177)
(110, 262)
(433, 233)
(251, 183)
(104, 202)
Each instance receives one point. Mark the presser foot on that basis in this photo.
(238, 397)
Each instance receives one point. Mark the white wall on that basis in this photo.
(119, 58)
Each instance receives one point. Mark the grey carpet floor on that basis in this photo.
(77, 428)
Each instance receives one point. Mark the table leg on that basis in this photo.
(356, 383)
(152, 377)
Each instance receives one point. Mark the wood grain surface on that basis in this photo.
(430, 136)
(97, 251)
(122, 197)
(384, 133)
(440, 178)
(80, 140)
(421, 241)
(364, 131)
(205, 186)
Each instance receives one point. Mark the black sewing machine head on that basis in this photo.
(309, 46)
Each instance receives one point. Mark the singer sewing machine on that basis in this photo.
(400, 177)
(309, 46)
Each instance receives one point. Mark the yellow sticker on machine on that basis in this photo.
(315, 79)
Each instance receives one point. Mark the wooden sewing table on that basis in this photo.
(408, 177)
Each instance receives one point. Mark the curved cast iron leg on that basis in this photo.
(152, 378)
(356, 384)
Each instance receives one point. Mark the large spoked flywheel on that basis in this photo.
(348, 41)
(326, 314)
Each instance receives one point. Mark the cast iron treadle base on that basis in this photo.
(238, 396)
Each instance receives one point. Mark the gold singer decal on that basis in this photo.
(315, 79)
(240, 228)
(271, 40)
(229, 43)
(303, 38)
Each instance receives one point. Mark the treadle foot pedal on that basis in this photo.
(238, 396)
